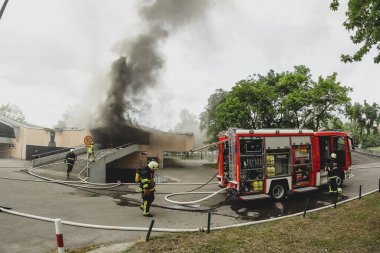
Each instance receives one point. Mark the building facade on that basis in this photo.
(23, 140)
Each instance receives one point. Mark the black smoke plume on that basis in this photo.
(137, 70)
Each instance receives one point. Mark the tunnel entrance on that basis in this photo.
(120, 174)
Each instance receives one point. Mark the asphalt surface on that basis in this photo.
(119, 206)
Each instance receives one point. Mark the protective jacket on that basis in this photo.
(145, 176)
(90, 149)
(332, 174)
(332, 168)
(70, 158)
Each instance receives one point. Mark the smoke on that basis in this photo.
(137, 69)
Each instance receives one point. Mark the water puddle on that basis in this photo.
(267, 208)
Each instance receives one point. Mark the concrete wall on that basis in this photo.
(56, 157)
(70, 138)
(160, 142)
(131, 161)
(98, 169)
(171, 142)
(136, 156)
(4, 150)
(41, 137)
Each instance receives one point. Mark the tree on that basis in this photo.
(278, 100)
(250, 104)
(363, 18)
(294, 99)
(207, 118)
(364, 122)
(189, 123)
(13, 112)
(357, 123)
(327, 97)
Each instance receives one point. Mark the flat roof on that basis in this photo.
(14, 123)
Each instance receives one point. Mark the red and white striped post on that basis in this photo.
(58, 232)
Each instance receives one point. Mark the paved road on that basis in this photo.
(119, 207)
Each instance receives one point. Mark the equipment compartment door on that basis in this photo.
(302, 165)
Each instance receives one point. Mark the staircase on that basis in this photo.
(98, 169)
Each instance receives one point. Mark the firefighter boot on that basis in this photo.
(145, 209)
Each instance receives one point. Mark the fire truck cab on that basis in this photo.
(273, 162)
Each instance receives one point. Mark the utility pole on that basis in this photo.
(3, 8)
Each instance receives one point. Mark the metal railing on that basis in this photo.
(125, 145)
(55, 152)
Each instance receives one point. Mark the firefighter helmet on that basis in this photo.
(153, 165)
(333, 155)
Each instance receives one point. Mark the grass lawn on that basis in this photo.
(377, 149)
(352, 227)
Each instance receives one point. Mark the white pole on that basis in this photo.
(59, 236)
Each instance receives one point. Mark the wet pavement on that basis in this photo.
(119, 206)
(267, 208)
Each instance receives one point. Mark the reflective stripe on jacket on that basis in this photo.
(70, 158)
(145, 176)
(90, 149)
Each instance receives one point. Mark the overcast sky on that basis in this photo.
(55, 54)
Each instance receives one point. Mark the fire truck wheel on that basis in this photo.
(278, 192)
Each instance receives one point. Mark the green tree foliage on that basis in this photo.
(327, 97)
(13, 112)
(189, 123)
(294, 100)
(208, 122)
(364, 123)
(277, 100)
(363, 19)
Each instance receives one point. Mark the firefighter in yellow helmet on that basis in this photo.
(145, 176)
(91, 151)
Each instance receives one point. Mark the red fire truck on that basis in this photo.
(273, 162)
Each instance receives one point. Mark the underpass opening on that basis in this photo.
(123, 175)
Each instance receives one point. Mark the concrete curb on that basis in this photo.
(367, 152)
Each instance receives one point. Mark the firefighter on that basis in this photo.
(70, 159)
(145, 176)
(333, 172)
(91, 151)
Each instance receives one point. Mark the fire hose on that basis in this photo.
(193, 201)
(180, 229)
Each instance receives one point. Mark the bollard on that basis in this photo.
(360, 191)
(150, 230)
(335, 199)
(304, 211)
(208, 222)
(59, 236)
